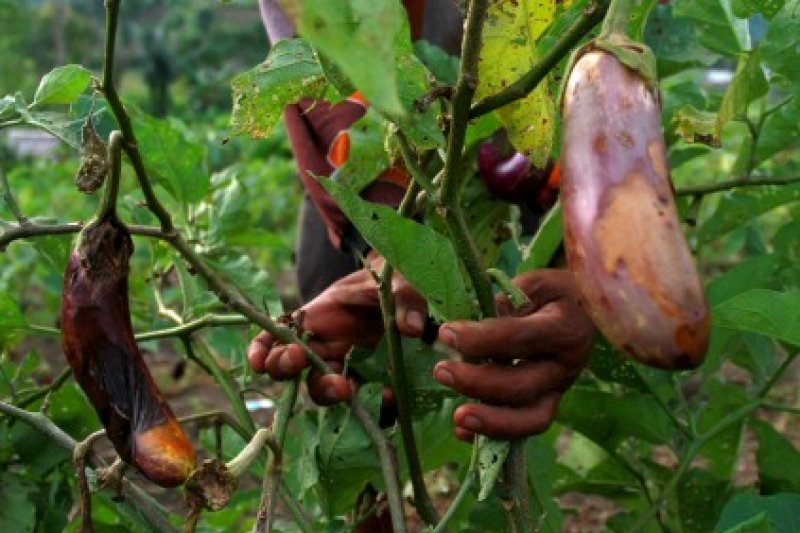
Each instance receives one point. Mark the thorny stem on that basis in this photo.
(149, 509)
(452, 174)
(272, 476)
(397, 372)
(450, 196)
(591, 17)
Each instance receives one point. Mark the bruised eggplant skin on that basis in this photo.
(98, 341)
(622, 234)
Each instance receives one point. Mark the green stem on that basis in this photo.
(272, 476)
(397, 373)
(10, 201)
(124, 122)
(515, 474)
(29, 229)
(455, 505)
(591, 17)
(108, 204)
(699, 190)
(203, 352)
(411, 164)
(517, 297)
(617, 20)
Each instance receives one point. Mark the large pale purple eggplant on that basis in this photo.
(98, 341)
(623, 238)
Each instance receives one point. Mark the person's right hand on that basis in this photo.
(347, 313)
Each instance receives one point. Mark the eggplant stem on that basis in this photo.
(108, 205)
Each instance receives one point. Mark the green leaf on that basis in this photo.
(12, 321)
(290, 72)
(752, 273)
(737, 208)
(541, 456)
(253, 281)
(781, 130)
(442, 65)
(359, 36)
(491, 456)
(171, 158)
(424, 257)
(368, 157)
(747, 85)
(346, 459)
(18, 513)
(7, 106)
(747, 8)
(717, 28)
(62, 85)
(778, 460)
(608, 418)
(608, 364)
(701, 497)
(508, 51)
(759, 523)
(422, 128)
(762, 311)
(674, 42)
(722, 452)
(780, 508)
(779, 48)
(542, 249)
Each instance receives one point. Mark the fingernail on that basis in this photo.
(331, 394)
(448, 336)
(471, 423)
(415, 321)
(285, 362)
(444, 376)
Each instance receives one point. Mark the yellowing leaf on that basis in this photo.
(509, 51)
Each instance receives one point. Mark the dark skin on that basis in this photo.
(516, 366)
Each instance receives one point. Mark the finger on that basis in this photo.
(507, 422)
(410, 309)
(328, 389)
(464, 435)
(503, 384)
(550, 331)
(285, 361)
(258, 350)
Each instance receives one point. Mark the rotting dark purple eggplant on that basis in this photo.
(622, 234)
(98, 341)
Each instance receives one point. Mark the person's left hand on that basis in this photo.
(519, 364)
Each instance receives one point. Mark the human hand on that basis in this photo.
(346, 313)
(519, 364)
